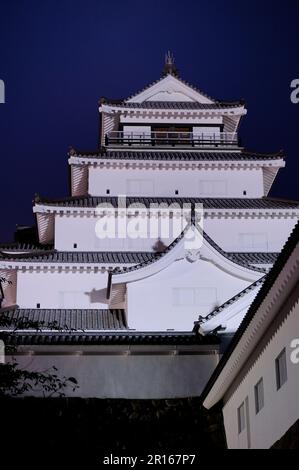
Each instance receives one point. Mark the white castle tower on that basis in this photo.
(115, 281)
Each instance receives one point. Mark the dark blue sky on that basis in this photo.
(58, 57)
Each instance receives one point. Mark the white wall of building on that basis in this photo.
(129, 376)
(182, 292)
(280, 409)
(70, 230)
(231, 234)
(250, 235)
(61, 290)
(197, 119)
(165, 183)
(137, 131)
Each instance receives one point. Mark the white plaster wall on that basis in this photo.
(137, 131)
(166, 119)
(227, 232)
(130, 376)
(81, 230)
(187, 182)
(161, 311)
(62, 290)
(207, 131)
(280, 406)
(169, 89)
(235, 234)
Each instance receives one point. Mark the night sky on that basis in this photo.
(57, 58)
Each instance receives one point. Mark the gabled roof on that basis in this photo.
(260, 315)
(175, 249)
(184, 82)
(230, 256)
(175, 78)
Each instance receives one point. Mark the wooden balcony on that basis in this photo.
(171, 139)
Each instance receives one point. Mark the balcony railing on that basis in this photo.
(172, 139)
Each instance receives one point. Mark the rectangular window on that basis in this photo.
(140, 187)
(259, 396)
(249, 241)
(184, 296)
(241, 417)
(206, 134)
(281, 369)
(205, 296)
(212, 188)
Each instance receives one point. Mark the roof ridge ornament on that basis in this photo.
(169, 66)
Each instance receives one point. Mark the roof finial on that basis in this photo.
(169, 66)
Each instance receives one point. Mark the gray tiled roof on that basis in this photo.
(243, 259)
(238, 260)
(69, 319)
(208, 203)
(123, 338)
(234, 299)
(177, 155)
(123, 257)
(96, 257)
(184, 105)
(18, 246)
(254, 258)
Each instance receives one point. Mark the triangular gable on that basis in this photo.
(192, 246)
(170, 88)
(202, 272)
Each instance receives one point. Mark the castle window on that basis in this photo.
(281, 369)
(187, 296)
(259, 395)
(249, 241)
(214, 188)
(241, 417)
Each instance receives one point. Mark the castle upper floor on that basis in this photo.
(170, 113)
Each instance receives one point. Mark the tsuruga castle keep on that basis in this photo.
(149, 267)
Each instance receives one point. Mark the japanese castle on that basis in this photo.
(142, 311)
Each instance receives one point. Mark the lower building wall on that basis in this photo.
(62, 290)
(280, 409)
(129, 376)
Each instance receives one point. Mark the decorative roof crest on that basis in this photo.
(169, 66)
